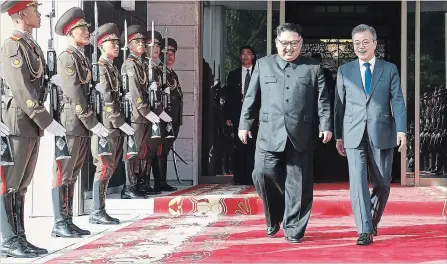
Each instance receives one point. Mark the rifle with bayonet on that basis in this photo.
(61, 148)
(152, 89)
(104, 148)
(126, 102)
(165, 91)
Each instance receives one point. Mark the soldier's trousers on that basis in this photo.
(16, 178)
(162, 148)
(14, 181)
(142, 135)
(65, 172)
(105, 167)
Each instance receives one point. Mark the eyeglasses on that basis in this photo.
(364, 43)
(293, 43)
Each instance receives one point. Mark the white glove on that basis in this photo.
(4, 130)
(165, 117)
(101, 87)
(153, 86)
(127, 129)
(56, 129)
(167, 91)
(153, 117)
(57, 80)
(100, 130)
(128, 96)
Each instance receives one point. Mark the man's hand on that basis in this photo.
(243, 135)
(327, 135)
(401, 141)
(340, 147)
(229, 123)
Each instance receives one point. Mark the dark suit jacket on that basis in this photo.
(234, 96)
(294, 100)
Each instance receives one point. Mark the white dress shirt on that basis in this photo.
(244, 73)
(363, 68)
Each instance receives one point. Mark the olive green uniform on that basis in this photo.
(22, 64)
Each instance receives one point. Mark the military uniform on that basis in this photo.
(78, 118)
(112, 119)
(137, 74)
(23, 65)
(176, 112)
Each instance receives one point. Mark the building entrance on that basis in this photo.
(327, 35)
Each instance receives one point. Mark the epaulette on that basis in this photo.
(15, 37)
(69, 51)
(101, 63)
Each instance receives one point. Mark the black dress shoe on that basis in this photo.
(272, 230)
(365, 239)
(293, 239)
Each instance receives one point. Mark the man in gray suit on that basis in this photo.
(369, 109)
(288, 94)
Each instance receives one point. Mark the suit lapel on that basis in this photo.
(357, 76)
(378, 70)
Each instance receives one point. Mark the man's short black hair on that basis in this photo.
(247, 47)
(289, 27)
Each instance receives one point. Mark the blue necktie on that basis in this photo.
(368, 77)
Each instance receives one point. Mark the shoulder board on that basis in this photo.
(69, 51)
(101, 63)
(15, 37)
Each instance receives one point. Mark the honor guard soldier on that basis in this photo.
(155, 144)
(74, 76)
(142, 114)
(113, 120)
(152, 62)
(176, 112)
(23, 66)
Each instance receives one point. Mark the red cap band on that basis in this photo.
(69, 25)
(18, 7)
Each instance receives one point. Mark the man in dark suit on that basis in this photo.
(370, 120)
(293, 101)
(237, 85)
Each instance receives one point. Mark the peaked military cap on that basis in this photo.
(133, 32)
(74, 17)
(172, 44)
(13, 7)
(157, 36)
(107, 32)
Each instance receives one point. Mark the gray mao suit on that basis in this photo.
(292, 104)
(368, 125)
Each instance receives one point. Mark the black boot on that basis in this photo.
(12, 244)
(144, 180)
(130, 188)
(99, 215)
(20, 225)
(62, 227)
(165, 187)
(77, 229)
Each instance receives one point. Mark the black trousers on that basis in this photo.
(243, 160)
(284, 181)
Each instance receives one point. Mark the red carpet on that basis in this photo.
(225, 224)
